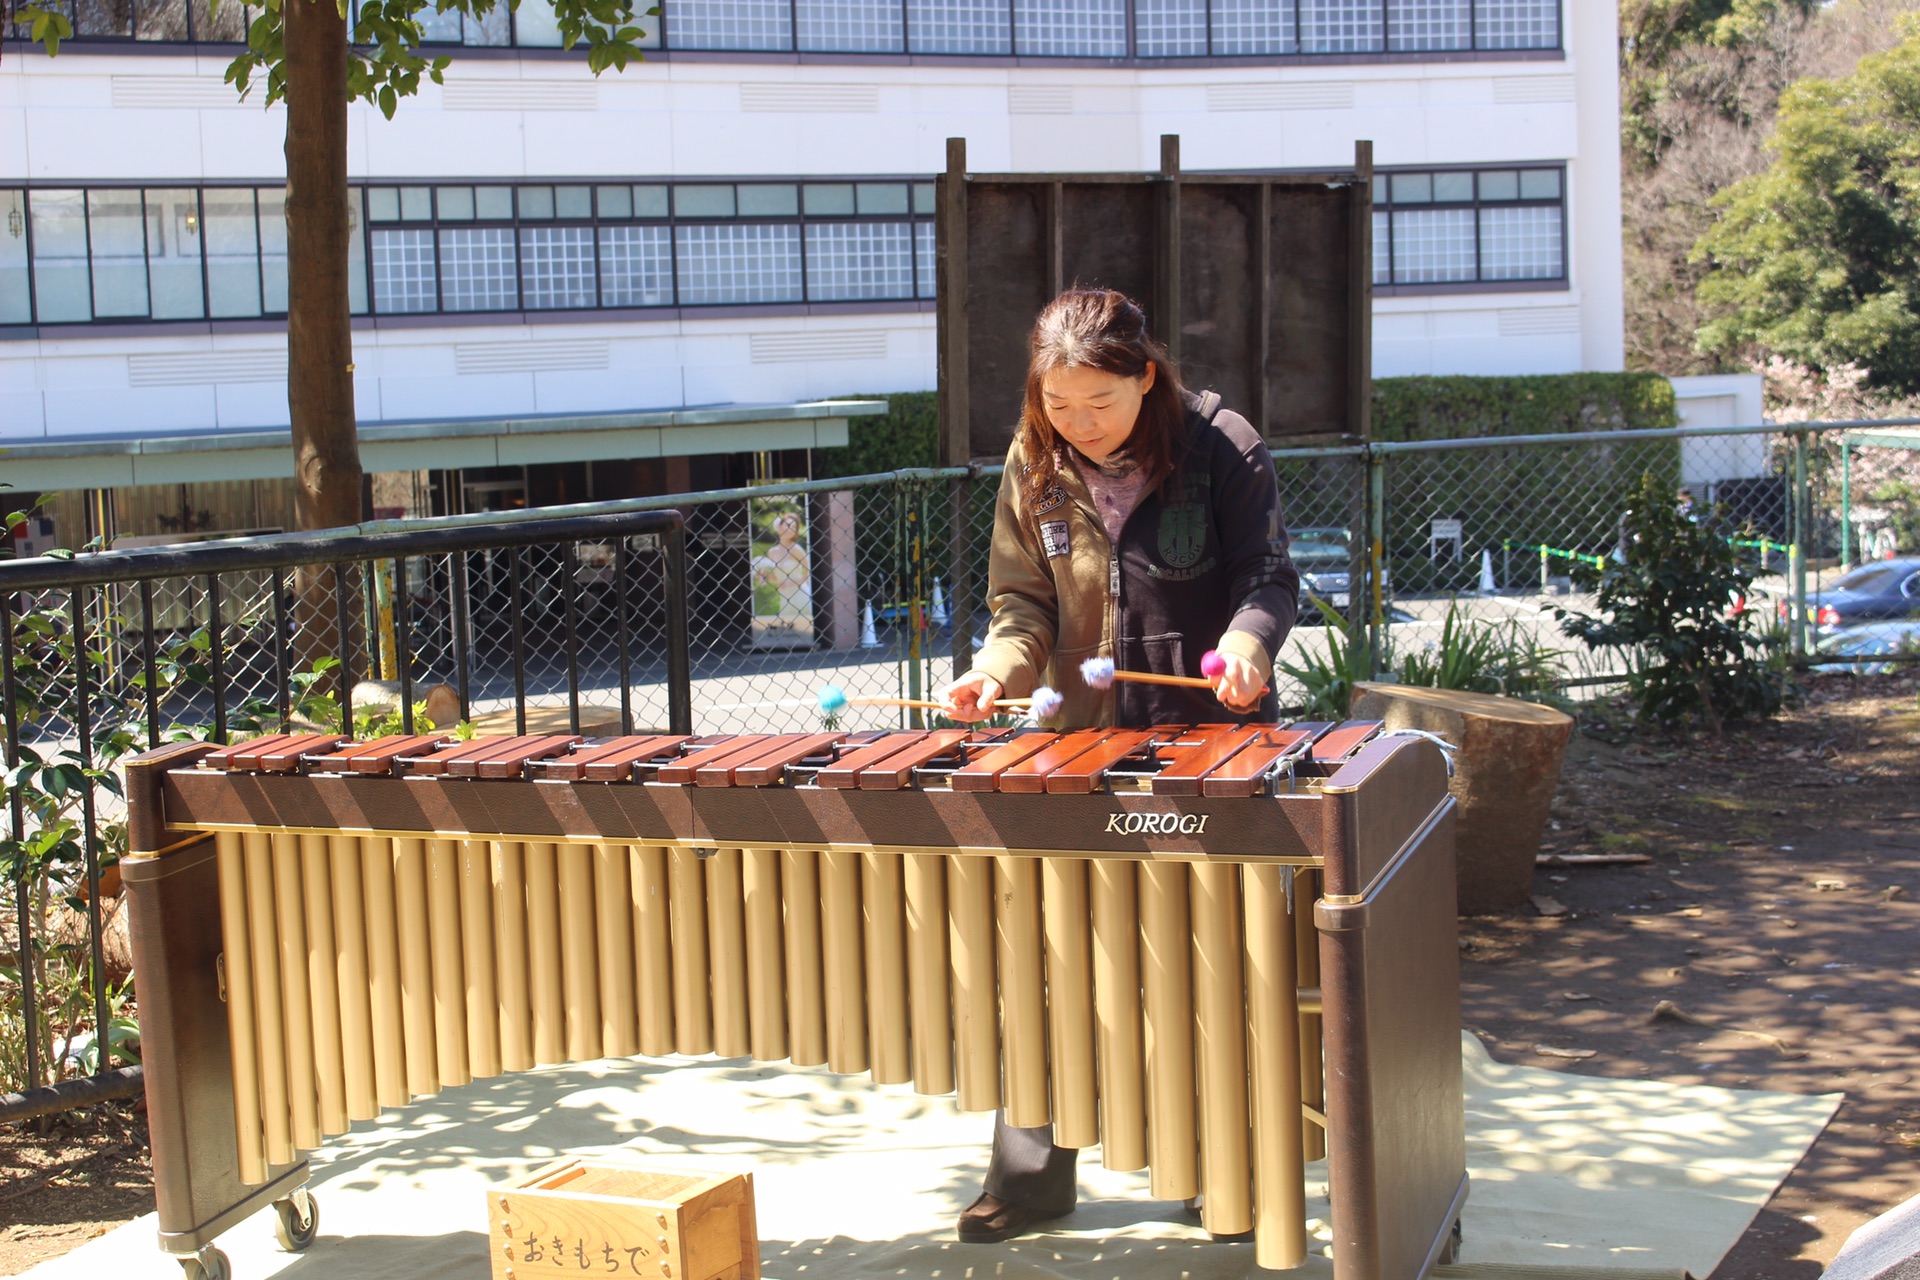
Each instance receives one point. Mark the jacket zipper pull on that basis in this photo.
(1113, 577)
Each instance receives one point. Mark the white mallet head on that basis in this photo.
(1046, 702)
(1097, 672)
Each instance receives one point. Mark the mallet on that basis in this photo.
(1100, 673)
(833, 699)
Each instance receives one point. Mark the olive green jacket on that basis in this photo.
(1201, 565)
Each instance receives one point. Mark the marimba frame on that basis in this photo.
(1383, 860)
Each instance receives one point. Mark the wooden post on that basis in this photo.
(1360, 388)
(950, 258)
(1165, 320)
(955, 409)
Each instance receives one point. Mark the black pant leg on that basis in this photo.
(1028, 1169)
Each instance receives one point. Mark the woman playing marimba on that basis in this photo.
(1136, 521)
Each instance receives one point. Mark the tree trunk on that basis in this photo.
(326, 449)
(326, 446)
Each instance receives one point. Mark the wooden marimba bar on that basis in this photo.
(1133, 934)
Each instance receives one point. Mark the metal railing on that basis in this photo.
(105, 654)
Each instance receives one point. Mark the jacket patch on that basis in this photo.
(1054, 538)
(1183, 534)
(1051, 500)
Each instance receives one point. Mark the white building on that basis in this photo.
(743, 222)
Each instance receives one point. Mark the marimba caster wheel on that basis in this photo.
(208, 1264)
(1450, 1251)
(298, 1220)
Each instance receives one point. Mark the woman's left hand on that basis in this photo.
(1238, 687)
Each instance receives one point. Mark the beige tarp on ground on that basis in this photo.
(1573, 1177)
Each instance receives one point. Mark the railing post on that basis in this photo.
(679, 659)
(403, 643)
(960, 581)
(1846, 502)
(914, 508)
(1797, 553)
(89, 826)
(1376, 559)
(29, 999)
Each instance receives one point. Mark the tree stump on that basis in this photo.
(1503, 781)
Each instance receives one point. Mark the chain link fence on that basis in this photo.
(874, 584)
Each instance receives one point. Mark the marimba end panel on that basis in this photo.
(174, 924)
(1376, 802)
(1390, 978)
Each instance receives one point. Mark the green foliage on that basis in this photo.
(1485, 656)
(1449, 408)
(1329, 676)
(1652, 31)
(1901, 498)
(906, 435)
(385, 64)
(1672, 601)
(1818, 258)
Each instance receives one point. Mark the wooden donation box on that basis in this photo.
(602, 1217)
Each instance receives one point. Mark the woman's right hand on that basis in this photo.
(972, 696)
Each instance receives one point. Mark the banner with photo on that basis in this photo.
(781, 572)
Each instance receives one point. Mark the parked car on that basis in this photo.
(1868, 641)
(1320, 553)
(1880, 591)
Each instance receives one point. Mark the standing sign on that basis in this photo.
(782, 574)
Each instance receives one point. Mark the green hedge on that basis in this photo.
(1544, 404)
(1403, 409)
(1570, 498)
(907, 435)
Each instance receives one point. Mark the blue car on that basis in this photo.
(1878, 591)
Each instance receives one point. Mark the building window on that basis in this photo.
(981, 28)
(1469, 226)
(850, 26)
(120, 253)
(1070, 28)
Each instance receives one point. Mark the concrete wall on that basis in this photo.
(150, 116)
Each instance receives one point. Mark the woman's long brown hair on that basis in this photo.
(1105, 330)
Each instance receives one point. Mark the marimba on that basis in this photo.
(1216, 952)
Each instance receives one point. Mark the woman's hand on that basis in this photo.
(1238, 687)
(972, 696)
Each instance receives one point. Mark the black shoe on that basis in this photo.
(1193, 1206)
(990, 1220)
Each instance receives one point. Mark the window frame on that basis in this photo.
(662, 44)
(1389, 287)
(363, 228)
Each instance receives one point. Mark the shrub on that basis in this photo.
(1674, 600)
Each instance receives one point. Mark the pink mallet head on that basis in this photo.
(1212, 665)
(1098, 673)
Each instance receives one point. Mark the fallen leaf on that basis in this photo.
(1548, 906)
(1668, 1011)
(1891, 892)
(1827, 884)
(1576, 995)
(1548, 1051)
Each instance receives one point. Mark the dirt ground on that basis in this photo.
(1768, 942)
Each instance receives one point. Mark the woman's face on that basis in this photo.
(1092, 410)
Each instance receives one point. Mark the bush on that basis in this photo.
(1483, 656)
(1675, 601)
(906, 435)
